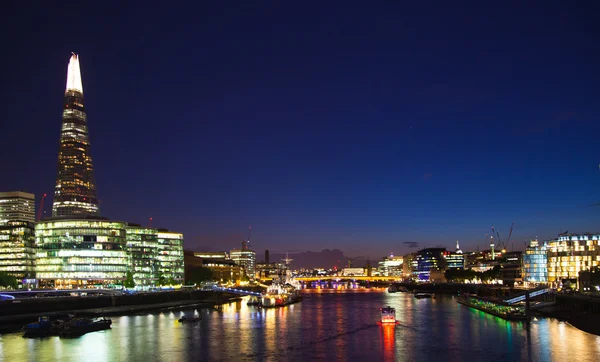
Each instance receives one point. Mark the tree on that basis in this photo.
(129, 282)
(8, 281)
(161, 280)
(199, 275)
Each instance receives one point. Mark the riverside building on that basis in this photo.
(535, 264)
(17, 250)
(569, 254)
(17, 238)
(142, 254)
(84, 251)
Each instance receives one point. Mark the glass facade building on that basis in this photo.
(170, 256)
(427, 259)
(17, 206)
(81, 252)
(17, 249)
(142, 252)
(535, 263)
(571, 253)
(75, 190)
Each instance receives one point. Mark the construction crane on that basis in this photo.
(41, 209)
(352, 260)
(509, 235)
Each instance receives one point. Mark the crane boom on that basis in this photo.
(41, 209)
(510, 233)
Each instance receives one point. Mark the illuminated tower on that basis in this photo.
(75, 191)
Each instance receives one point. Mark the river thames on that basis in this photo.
(327, 325)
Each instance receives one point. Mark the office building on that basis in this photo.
(170, 257)
(245, 258)
(81, 252)
(17, 206)
(569, 254)
(428, 259)
(535, 264)
(456, 259)
(75, 190)
(142, 252)
(17, 250)
(223, 269)
(390, 266)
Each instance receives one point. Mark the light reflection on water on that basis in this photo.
(327, 325)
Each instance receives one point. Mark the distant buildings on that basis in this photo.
(428, 259)
(223, 269)
(17, 206)
(353, 272)
(245, 258)
(390, 266)
(455, 259)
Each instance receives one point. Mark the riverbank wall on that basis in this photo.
(14, 313)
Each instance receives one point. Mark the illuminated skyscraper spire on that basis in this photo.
(75, 191)
(74, 75)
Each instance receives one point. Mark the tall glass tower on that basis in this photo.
(75, 191)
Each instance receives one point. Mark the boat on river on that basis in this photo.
(42, 328)
(283, 291)
(190, 319)
(388, 315)
(46, 326)
(424, 295)
(80, 326)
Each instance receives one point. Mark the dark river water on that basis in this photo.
(325, 326)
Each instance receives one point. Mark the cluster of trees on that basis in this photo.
(199, 275)
(460, 275)
(129, 282)
(8, 281)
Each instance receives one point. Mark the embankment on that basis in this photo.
(15, 313)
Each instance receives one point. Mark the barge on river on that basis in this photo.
(498, 309)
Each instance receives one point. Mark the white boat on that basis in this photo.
(283, 291)
(388, 315)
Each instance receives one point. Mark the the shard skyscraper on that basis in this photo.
(75, 191)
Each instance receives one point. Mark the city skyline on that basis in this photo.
(331, 140)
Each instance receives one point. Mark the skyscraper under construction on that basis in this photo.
(75, 191)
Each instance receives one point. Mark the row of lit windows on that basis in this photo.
(82, 268)
(81, 275)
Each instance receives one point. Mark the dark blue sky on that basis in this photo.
(322, 125)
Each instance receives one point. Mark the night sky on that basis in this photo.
(321, 124)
